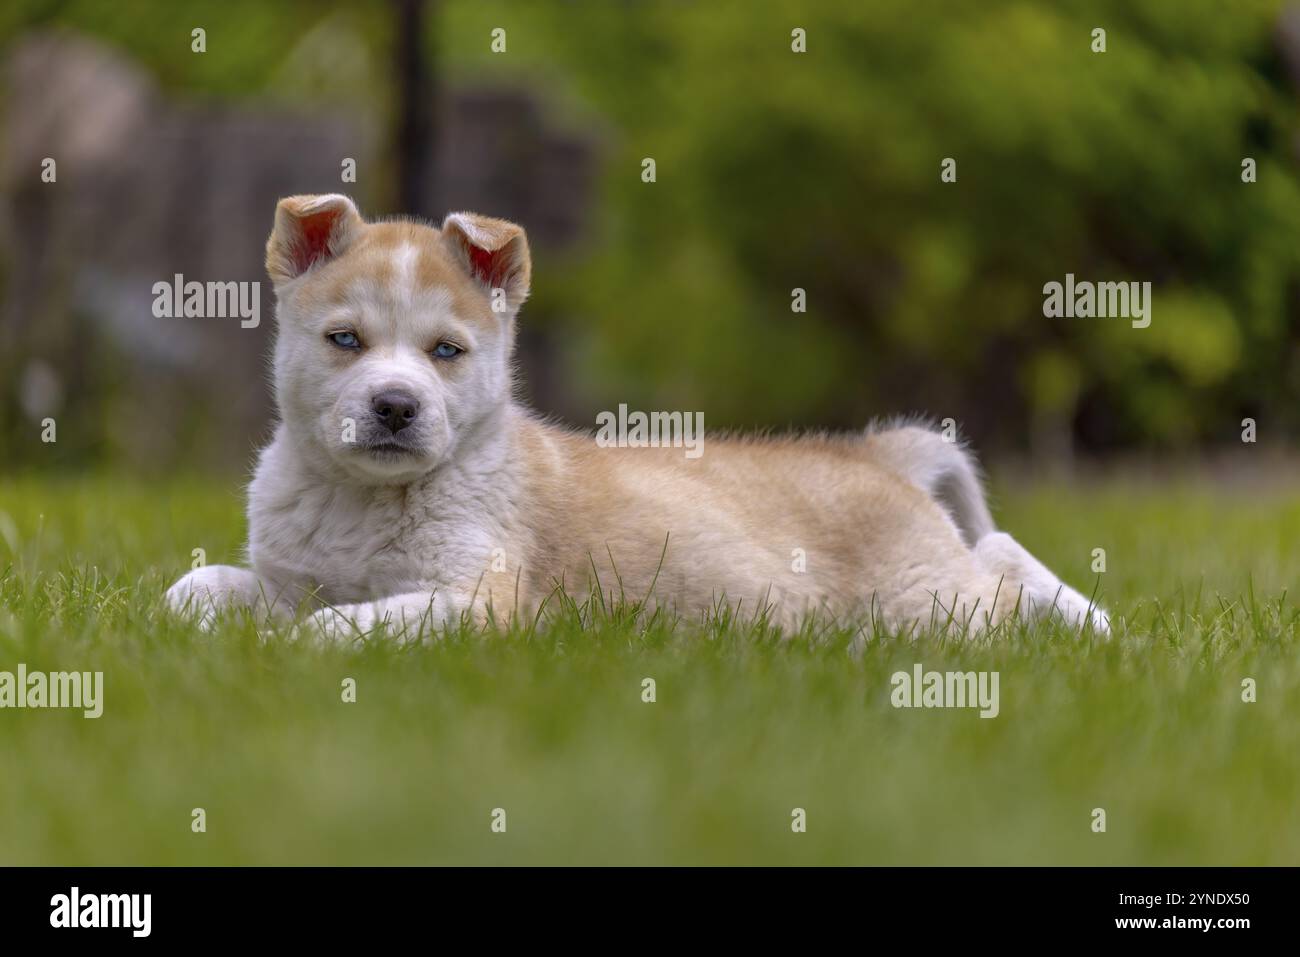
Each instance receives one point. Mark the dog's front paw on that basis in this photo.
(209, 590)
(418, 615)
(340, 624)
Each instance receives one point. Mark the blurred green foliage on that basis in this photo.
(779, 170)
(821, 171)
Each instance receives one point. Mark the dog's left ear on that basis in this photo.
(494, 253)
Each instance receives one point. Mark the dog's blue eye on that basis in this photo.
(445, 350)
(347, 340)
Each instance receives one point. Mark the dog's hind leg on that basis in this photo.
(1040, 592)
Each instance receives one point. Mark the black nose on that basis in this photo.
(395, 409)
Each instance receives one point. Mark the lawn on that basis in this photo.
(550, 725)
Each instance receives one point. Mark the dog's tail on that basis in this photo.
(941, 467)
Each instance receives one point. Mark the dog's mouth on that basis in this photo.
(388, 450)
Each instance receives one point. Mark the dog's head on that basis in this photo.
(394, 338)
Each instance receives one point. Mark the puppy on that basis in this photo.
(406, 486)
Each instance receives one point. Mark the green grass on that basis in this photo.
(550, 725)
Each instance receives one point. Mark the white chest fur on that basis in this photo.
(352, 543)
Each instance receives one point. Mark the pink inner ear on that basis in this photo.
(488, 266)
(315, 239)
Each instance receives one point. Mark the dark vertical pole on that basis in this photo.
(415, 107)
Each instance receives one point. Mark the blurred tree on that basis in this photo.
(415, 96)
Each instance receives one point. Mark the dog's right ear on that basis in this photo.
(308, 230)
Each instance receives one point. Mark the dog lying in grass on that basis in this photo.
(405, 486)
